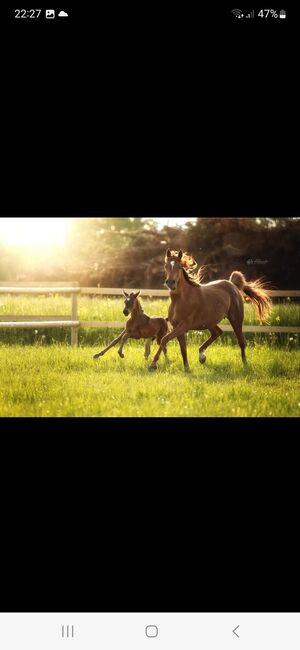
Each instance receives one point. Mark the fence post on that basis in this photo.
(74, 330)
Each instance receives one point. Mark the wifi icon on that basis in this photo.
(237, 13)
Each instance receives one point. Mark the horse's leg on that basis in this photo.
(147, 348)
(180, 329)
(124, 339)
(114, 342)
(159, 338)
(237, 327)
(236, 316)
(215, 333)
(182, 342)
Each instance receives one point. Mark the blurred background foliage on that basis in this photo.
(129, 252)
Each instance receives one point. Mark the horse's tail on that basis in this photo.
(256, 291)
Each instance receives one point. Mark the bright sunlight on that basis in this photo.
(33, 231)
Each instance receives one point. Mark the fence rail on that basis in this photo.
(32, 322)
(73, 321)
(165, 293)
(226, 328)
(45, 323)
(39, 290)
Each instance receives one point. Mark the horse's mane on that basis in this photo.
(189, 267)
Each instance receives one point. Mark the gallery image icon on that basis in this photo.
(63, 14)
(50, 13)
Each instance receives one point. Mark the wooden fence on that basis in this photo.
(164, 293)
(39, 288)
(72, 321)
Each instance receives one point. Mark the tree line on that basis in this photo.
(129, 252)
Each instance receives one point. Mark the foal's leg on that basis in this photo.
(182, 342)
(147, 348)
(114, 342)
(215, 333)
(125, 337)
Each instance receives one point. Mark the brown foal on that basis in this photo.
(139, 326)
(196, 306)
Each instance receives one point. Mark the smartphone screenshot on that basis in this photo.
(149, 326)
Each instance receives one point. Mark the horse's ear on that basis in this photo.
(125, 294)
(136, 295)
(168, 253)
(180, 254)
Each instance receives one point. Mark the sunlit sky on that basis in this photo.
(171, 221)
(45, 232)
(33, 232)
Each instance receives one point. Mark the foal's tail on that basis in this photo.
(256, 291)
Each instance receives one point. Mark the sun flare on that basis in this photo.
(31, 232)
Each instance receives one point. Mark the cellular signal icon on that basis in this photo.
(251, 14)
(237, 13)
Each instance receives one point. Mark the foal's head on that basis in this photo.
(129, 302)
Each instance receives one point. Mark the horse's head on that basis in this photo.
(173, 268)
(129, 302)
(178, 264)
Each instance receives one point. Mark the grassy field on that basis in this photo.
(42, 376)
(60, 381)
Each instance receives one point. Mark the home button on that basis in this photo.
(151, 631)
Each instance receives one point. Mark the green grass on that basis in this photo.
(41, 376)
(60, 381)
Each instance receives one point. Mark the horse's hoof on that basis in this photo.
(121, 355)
(202, 357)
(187, 369)
(152, 367)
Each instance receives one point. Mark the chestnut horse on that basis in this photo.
(139, 326)
(196, 306)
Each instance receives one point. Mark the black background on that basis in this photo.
(145, 111)
(167, 111)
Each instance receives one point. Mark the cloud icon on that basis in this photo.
(63, 14)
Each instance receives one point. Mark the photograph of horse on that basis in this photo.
(197, 306)
(72, 289)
